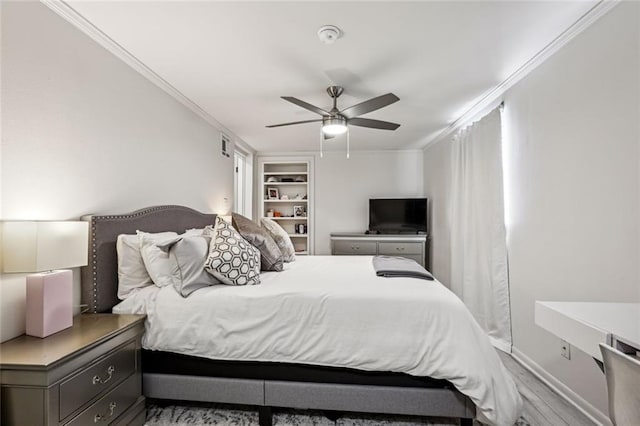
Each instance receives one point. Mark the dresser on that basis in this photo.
(411, 246)
(87, 374)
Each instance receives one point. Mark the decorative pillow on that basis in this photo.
(231, 258)
(195, 231)
(157, 262)
(271, 256)
(281, 238)
(188, 255)
(132, 273)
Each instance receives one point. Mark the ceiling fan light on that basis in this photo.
(334, 126)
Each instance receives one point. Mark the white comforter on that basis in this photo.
(334, 311)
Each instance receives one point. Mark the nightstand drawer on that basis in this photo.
(354, 247)
(110, 406)
(97, 378)
(399, 249)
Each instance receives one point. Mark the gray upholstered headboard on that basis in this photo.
(100, 277)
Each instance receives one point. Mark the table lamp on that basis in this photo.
(44, 247)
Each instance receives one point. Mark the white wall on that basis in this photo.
(84, 133)
(343, 188)
(437, 187)
(572, 188)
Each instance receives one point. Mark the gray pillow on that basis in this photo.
(281, 238)
(188, 256)
(270, 254)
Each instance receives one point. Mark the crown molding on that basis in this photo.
(76, 19)
(493, 97)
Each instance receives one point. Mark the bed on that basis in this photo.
(237, 359)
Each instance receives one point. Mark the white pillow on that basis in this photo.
(157, 261)
(132, 273)
(281, 238)
(232, 260)
(195, 232)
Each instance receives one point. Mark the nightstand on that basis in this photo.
(87, 374)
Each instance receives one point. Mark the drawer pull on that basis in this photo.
(355, 248)
(99, 380)
(400, 248)
(101, 418)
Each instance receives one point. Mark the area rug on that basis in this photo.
(226, 415)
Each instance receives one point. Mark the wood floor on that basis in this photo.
(542, 406)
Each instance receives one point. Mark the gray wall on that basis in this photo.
(85, 133)
(571, 189)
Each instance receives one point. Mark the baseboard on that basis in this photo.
(561, 389)
(500, 344)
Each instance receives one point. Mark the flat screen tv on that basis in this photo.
(398, 215)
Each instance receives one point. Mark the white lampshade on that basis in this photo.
(35, 246)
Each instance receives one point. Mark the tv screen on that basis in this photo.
(398, 215)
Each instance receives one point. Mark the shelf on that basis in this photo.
(286, 183)
(285, 173)
(266, 200)
(293, 176)
(285, 218)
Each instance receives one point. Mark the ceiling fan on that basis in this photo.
(334, 121)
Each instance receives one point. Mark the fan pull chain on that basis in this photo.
(347, 143)
(321, 141)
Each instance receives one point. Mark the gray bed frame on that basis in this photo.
(99, 292)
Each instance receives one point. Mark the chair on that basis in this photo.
(622, 372)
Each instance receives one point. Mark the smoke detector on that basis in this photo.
(329, 33)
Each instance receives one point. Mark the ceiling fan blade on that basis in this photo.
(295, 122)
(370, 105)
(306, 105)
(373, 124)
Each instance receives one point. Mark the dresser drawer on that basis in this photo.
(399, 249)
(109, 407)
(97, 378)
(354, 247)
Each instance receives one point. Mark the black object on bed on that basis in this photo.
(395, 266)
(178, 377)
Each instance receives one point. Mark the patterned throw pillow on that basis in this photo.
(231, 258)
(281, 238)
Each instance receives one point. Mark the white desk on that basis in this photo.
(586, 324)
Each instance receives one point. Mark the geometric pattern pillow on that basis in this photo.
(281, 238)
(232, 260)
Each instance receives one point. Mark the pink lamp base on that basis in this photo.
(49, 302)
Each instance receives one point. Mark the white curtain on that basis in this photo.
(479, 268)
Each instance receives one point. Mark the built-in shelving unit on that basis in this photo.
(286, 197)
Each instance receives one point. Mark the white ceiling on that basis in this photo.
(235, 59)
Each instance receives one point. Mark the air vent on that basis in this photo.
(225, 144)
